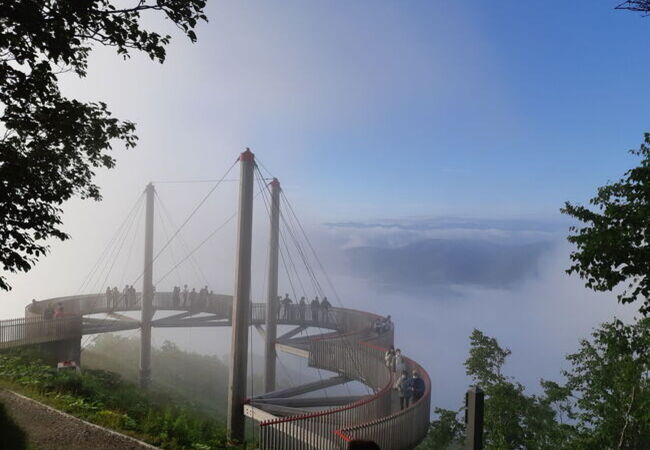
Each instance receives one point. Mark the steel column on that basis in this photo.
(147, 293)
(241, 304)
(272, 292)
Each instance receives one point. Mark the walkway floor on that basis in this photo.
(49, 429)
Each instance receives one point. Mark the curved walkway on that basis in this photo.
(351, 350)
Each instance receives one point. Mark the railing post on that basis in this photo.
(474, 418)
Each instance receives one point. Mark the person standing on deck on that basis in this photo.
(416, 385)
(176, 296)
(286, 304)
(186, 295)
(389, 359)
(325, 306)
(315, 306)
(302, 306)
(400, 364)
(193, 298)
(402, 386)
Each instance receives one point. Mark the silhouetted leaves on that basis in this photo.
(51, 146)
(613, 246)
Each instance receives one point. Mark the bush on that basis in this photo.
(105, 398)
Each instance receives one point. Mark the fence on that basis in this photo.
(401, 430)
(36, 330)
(317, 431)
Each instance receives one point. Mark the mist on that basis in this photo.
(372, 131)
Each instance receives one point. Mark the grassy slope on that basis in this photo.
(103, 398)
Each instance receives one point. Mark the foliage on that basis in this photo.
(512, 418)
(610, 383)
(51, 146)
(11, 435)
(613, 247)
(445, 432)
(604, 404)
(635, 5)
(104, 398)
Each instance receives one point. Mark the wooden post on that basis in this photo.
(474, 418)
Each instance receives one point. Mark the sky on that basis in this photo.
(374, 111)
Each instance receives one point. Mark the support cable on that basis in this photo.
(116, 253)
(109, 245)
(171, 247)
(185, 222)
(195, 264)
(308, 265)
(268, 210)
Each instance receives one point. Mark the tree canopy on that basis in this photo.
(50, 145)
(635, 5)
(613, 246)
(603, 404)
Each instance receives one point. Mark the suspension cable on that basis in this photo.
(109, 245)
(268, 210)
(198, 273)
(185, 222)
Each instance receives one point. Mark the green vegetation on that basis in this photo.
(612, 248)
(604, 404)
(103, 398)
(199, 380)
(11, 436)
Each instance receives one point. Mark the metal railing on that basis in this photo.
(401, 430)
(318, 430)
(36, 330)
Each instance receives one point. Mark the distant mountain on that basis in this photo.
(446, 262)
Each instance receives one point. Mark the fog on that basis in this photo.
(540, 316)
(356, 86)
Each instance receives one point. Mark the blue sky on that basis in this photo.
(372, 109)
(479, 108)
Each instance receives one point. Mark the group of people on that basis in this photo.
(318, 309)
(382, 325)
(191, 299)
(126, 298)
(410, 387)
(55, 312)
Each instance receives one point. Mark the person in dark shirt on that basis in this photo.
(286, 304)
(176, 296)
(315, 307)
(302, 305)
(417, 386)
(325, 309)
